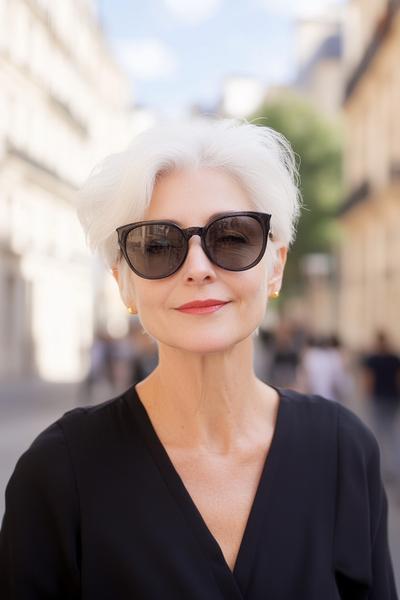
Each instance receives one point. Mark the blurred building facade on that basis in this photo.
(319, 50)
(369, 267)
(64, 104)
(320, 80)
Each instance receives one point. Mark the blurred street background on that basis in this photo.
(80, 78)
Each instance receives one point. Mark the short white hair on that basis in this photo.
(119, 189)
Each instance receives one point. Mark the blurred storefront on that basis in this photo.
(369, 289)
(64, 104)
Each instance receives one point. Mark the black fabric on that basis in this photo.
(385, 369)
(96, 510)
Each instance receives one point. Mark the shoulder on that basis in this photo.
(358, 474)
(47, 448)
(43, 474)
(351, 432)
(355, 435)
(49, 456)
(311, 406)
(99, 419)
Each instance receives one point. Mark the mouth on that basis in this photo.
(202, 306)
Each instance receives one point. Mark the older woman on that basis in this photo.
(200, 482)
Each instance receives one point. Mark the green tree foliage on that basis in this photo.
(317, 143)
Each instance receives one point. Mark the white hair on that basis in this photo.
(119, 189)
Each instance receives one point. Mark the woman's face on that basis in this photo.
(190, 198)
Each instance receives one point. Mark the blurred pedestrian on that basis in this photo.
(322, 369)
(123, 355)
(263, 354)
(285, 358)
(101, 367)
(382, 384)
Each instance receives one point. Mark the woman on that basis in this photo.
(200, 482)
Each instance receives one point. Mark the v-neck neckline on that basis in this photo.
(240, 575)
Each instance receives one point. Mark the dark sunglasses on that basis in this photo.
(235, 241)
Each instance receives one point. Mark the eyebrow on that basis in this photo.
(210, 218)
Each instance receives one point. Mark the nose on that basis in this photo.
(197, 267)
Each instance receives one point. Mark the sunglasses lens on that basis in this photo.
(156, 249)
(235, 242)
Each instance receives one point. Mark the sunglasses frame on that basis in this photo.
(263, 218)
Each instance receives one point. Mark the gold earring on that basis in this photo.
(275, 294)
(131, 311)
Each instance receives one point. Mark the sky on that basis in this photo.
(179, 53)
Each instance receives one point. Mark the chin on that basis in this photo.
(207, 347)
(208, 344)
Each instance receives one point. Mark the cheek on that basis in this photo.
(151, 302)
(254, 282)
(148, 297)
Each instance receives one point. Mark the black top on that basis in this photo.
(96, 510)
(385, 370)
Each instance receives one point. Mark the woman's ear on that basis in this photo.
(115, 273)
(126, 288)
(275, 279)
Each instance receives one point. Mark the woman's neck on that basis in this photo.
(211, 402)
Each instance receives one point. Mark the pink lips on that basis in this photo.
(199, 307)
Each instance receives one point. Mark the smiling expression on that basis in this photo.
(236, 299)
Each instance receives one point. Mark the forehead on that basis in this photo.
(193, 196)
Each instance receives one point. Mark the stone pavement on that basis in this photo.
(26, 408)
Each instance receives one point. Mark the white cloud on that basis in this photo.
(242, 95)
(299, 8)
(193, 12)
(147, 58)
